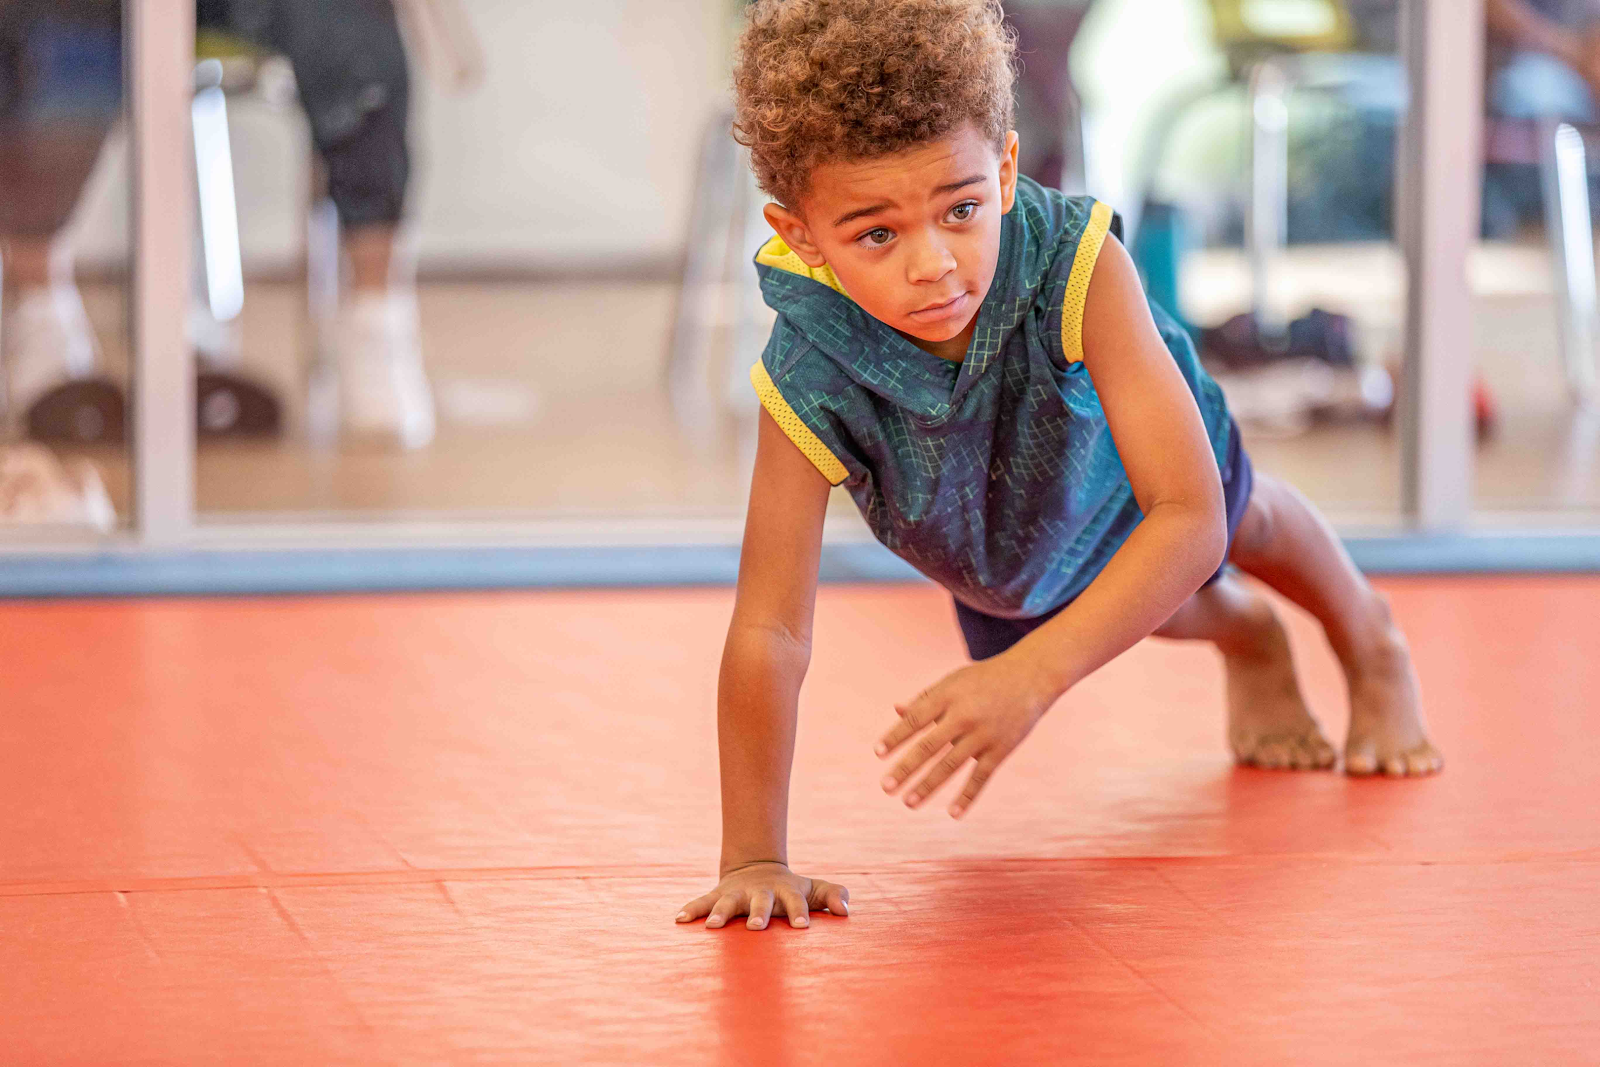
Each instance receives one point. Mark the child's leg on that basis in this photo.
(1284, 542)
(1268, 724)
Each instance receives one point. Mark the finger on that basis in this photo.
(697, 907)
(979, 778)
(795, 907)
(947, 765)
(913, 717)
(725, 908)
(760, 909)
(836, 898)
(923, 750)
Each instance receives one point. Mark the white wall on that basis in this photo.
(582, 144)
(577, 150)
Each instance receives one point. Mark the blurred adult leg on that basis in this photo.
(60, 93)
(351, 68)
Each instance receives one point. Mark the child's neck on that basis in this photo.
(954, 350)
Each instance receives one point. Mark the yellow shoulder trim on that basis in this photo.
(809, 444)
(777, 254)
(1094, 236)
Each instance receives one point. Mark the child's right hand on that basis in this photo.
(761, 890)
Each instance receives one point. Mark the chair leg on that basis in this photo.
(752, 321)
(322, 304)
(1267, 222)
(1569, 222)
(701, 290)
(322, 260)
(219, 209)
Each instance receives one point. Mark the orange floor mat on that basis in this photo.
(455, 828)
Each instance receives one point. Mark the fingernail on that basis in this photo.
(802, 922)
(955, 811)
(888, 783)
(844, 907)
(880, 749)
(913, 799)
(683, 916)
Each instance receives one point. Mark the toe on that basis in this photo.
(1423, 760)
(1322, 754)
(1273, 755)
(1394, 766)
(1360, 760)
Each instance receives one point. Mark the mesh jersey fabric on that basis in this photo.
(996, 477)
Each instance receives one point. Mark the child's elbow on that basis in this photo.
(1211, 539)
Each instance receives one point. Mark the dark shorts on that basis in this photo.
(989, 636)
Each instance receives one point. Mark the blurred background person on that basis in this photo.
(60, 93)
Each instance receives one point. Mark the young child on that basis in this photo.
(972, 356)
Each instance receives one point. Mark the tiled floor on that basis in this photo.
(452, 829)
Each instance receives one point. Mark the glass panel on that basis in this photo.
(1260, 199)
(494, 266)
(460, 254)
(64, 235)
(1539, 436)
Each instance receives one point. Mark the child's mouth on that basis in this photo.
(940, 312)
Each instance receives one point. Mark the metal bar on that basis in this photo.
(1442, 155)
(1564, 167)
(219, 209)
(699, 316)
(161, 65)
(1267, 221)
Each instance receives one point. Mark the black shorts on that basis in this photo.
(988, 636)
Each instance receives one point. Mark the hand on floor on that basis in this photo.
(977, 713)
(762, 890)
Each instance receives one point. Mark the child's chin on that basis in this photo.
(944, 331)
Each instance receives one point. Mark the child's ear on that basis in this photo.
(792, 229)
(1008, 173)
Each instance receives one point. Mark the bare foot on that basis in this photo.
(1387, 734)
(1268, 723)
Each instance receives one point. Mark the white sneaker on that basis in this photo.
(47, 340)
(383, 389)
(36, 488)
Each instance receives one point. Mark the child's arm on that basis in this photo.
(763, 664)
(983, 711)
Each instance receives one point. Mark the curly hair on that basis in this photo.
(820, 80)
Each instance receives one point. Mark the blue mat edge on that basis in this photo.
(287, 571)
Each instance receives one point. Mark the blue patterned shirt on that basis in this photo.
(997, 476)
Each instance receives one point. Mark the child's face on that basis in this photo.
(913, 237)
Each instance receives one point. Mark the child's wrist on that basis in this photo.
(1044, 678)
(733, 866)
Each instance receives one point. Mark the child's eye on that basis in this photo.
(963, 211)
(876, 238)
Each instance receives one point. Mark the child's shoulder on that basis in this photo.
(1051, 216)
(1053, 240)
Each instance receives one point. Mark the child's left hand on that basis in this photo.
(978, 713)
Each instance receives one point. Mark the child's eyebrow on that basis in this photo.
(851, 216)
(951, 187)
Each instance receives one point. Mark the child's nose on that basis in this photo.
(929, 261)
